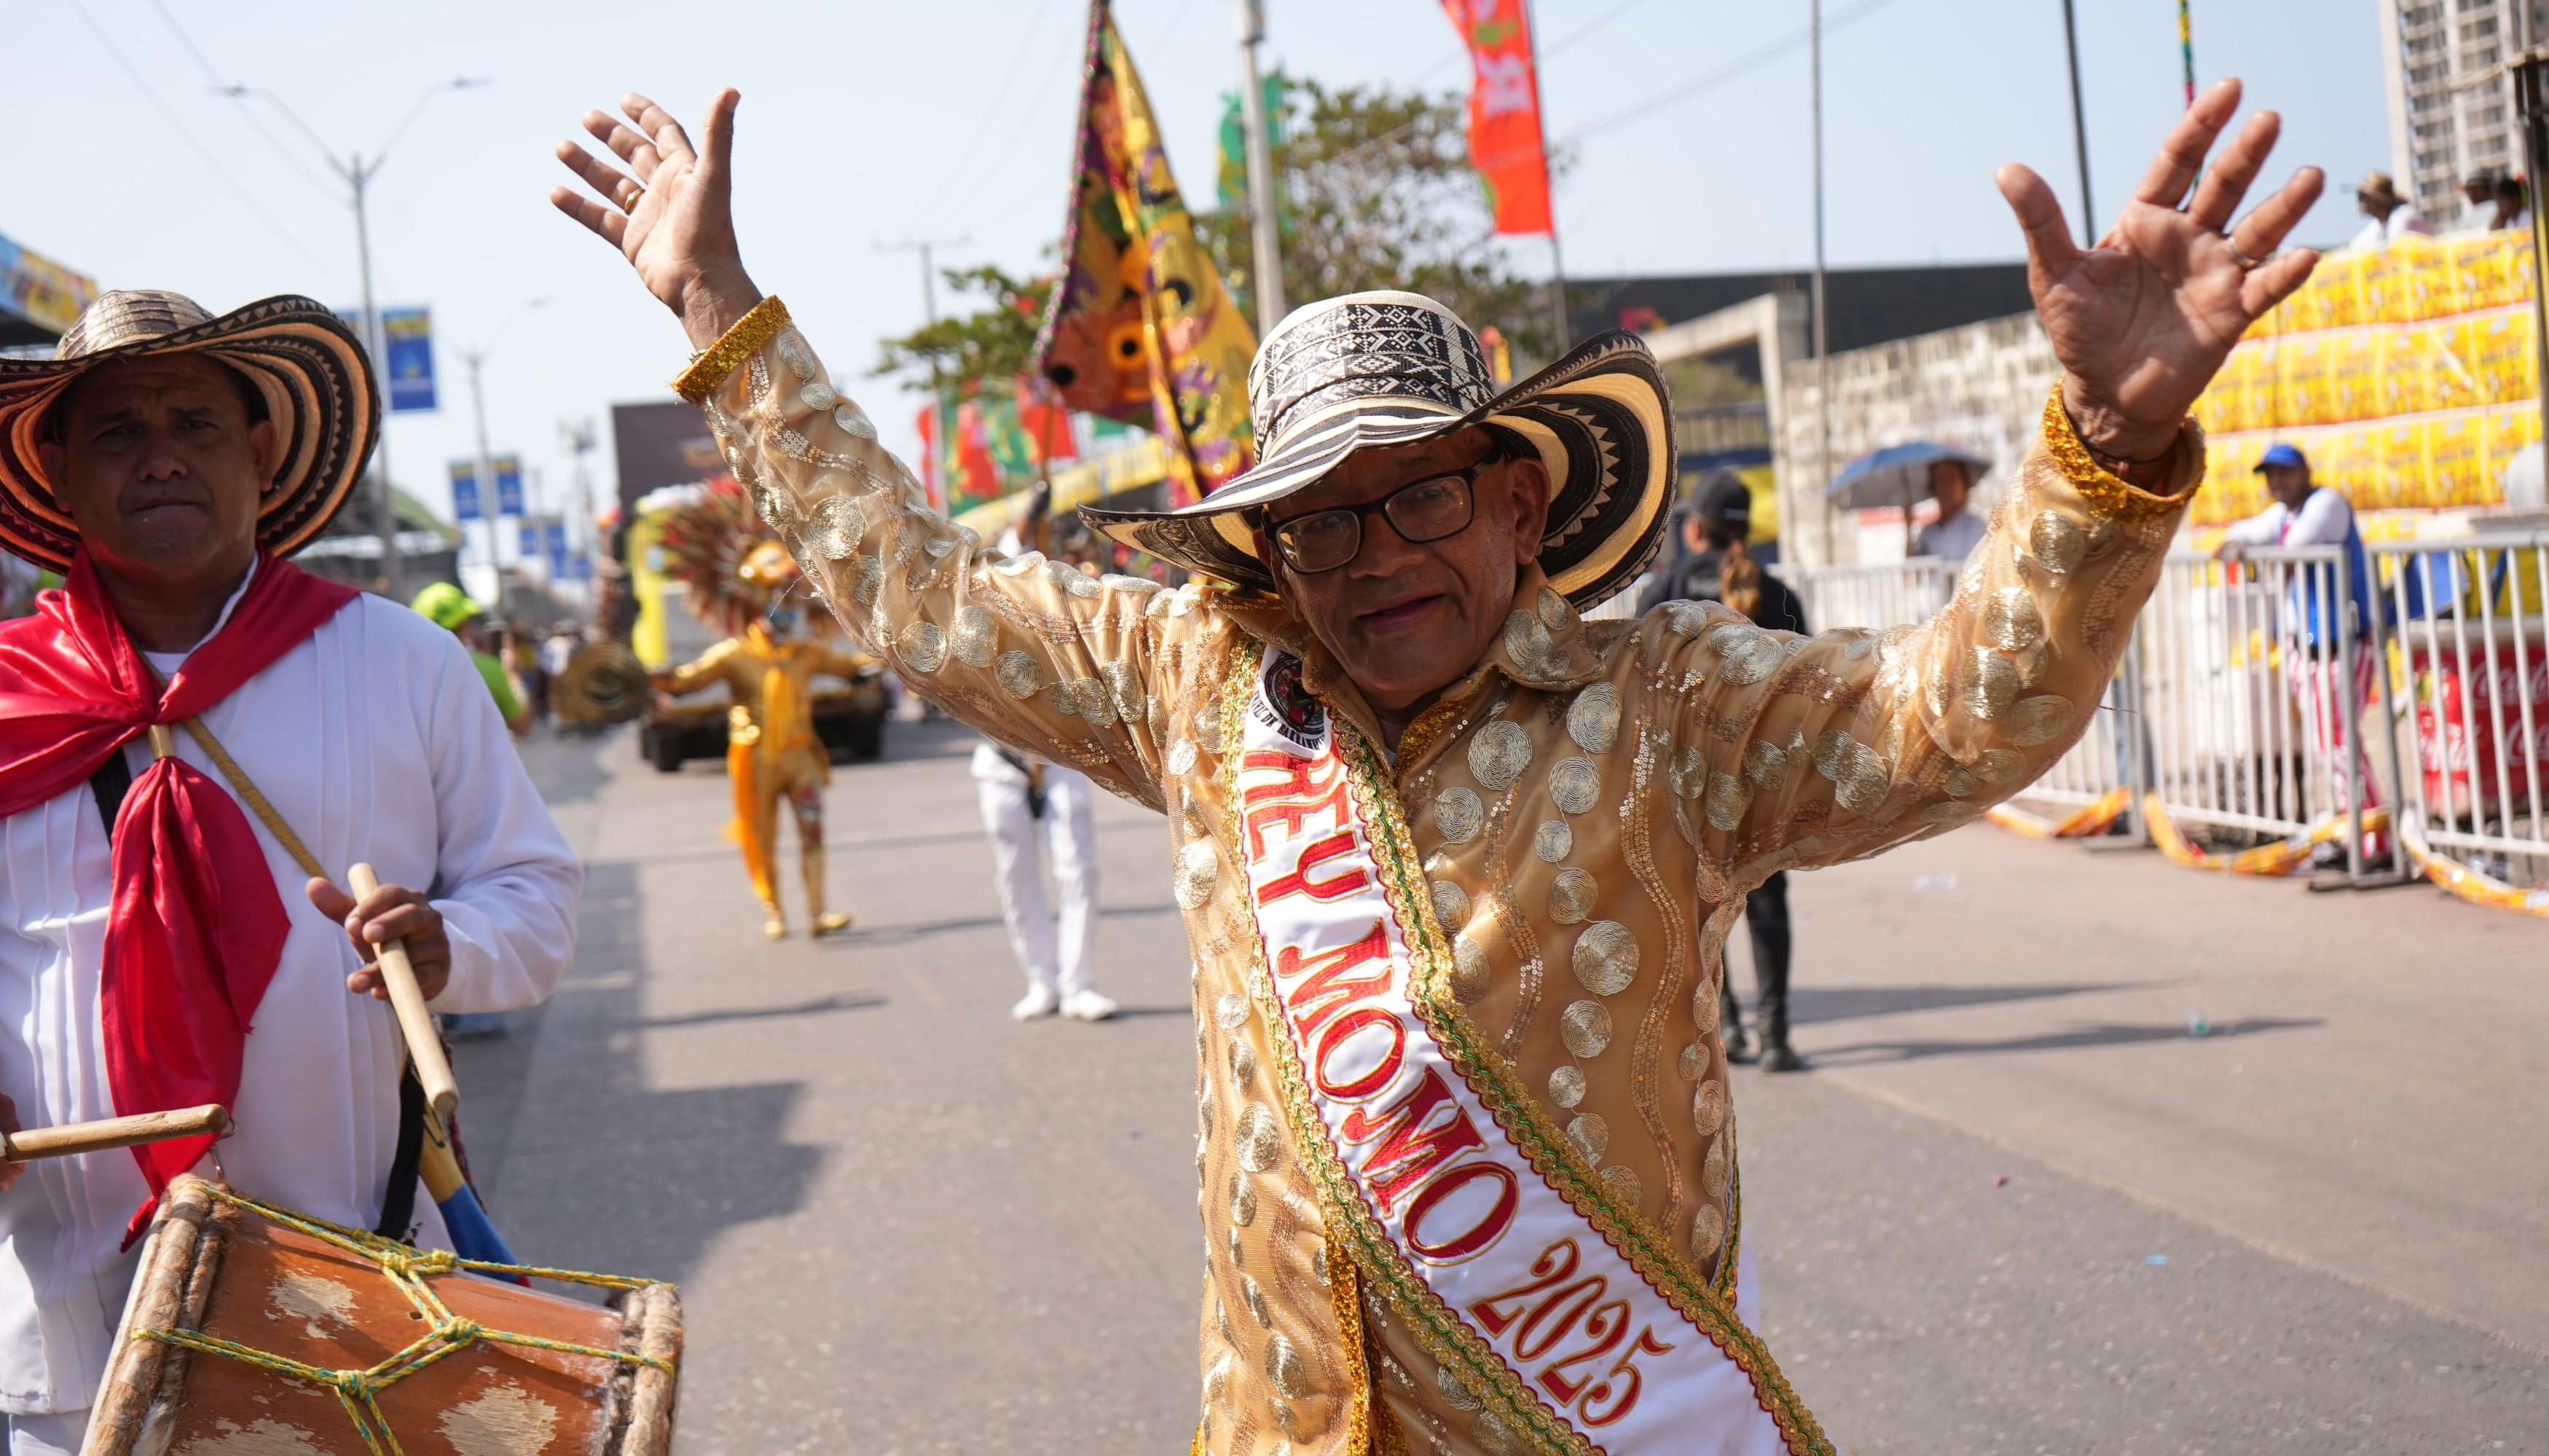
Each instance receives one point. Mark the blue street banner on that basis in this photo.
(509, 484)
(407, 359)
(579, 567)
(554, 539)
(464, 491)
(530, 539)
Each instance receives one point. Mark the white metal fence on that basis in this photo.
(2293, 691)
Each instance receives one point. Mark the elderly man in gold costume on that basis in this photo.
(1458, 865)
(773, 756)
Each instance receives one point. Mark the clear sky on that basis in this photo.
(865, 122)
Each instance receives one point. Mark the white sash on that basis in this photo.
(1526, 1284)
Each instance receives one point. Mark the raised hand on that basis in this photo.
(2142, 321)
(673, 219)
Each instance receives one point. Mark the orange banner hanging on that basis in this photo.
(1506, 144)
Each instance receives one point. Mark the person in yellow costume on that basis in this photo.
(772, 754)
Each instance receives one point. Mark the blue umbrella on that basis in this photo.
(1897, 475)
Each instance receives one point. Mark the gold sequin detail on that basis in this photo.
(1555, 613)
(1692, 1062)
(2106, 494)
(1221, 1321)
(2056, 543)
(1197, 868)
(1283, 1368)
(1132, 700)
(1585, 1027)
(923, 646)
(1458, 814)
(1090, 699)
(736, 344)
(1567, 1085)
(2039, 719)
(1207, 729)
(1180, 761)
(1216, 1376)
(1571, 896)
(1498, 753)
(1230, 1011)
(1243, 1061)
(1469, 969)
(1018, 675)
(1988, 685)
(1575, 784)
(1623, 1183)
(1689, 773)
(2011, 620)
(1590, 1135)
(1451, 904)
(1071, 579)
(1255, 1299)
(1707, 1231)
(1704, 1008)
(1526, 639)
(1605, 958)
(1708, 1108)
(1261, 1142)
(834, 530)
(1456, 1392)
(1553, 841)
(976, 637)
(1593, 719)
(779, 508)
(1729, 798)
(1765, 764)
(1747, 654)
(1688, 618)
(1999, 766)
(1712, 1171)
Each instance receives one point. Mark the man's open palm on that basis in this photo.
(2142, 322)
(674, 217)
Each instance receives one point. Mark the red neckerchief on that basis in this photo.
(190, 942)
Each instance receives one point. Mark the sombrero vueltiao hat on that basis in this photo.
(1373, 369)
(310, 368)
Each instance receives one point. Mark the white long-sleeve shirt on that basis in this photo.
(2323, 520)
(376, 741)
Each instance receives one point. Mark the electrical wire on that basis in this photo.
(1589, 28)
(1004, 93)
(1749, 60)
(262, 208)
(238, 93)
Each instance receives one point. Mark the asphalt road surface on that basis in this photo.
(2017, 1207)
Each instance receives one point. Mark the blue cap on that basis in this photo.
(2282, 455)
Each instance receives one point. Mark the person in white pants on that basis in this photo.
(1028, 803)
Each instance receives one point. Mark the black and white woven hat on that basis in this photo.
(301, 358)
(1373, 369)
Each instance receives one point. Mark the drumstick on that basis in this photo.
(423, 1044)
(112, 1132)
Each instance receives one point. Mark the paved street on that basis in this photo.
(2018, 1207)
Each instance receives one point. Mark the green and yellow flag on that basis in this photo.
(1141, 330)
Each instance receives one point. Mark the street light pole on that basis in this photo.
(2079, 128)
(357, 174)
(937, 444)
(1266, 234)
(1823, 333)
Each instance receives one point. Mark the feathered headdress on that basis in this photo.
(732, 570)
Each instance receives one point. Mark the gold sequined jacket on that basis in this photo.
(1592, 801)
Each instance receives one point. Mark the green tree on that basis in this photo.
(990, 345)
(1377, 192)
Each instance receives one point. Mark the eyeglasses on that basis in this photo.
(1423, 510)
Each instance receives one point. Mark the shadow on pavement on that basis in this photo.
(843, 1001)
(583, 1164)
(1846, 1003)
(2111, 1033)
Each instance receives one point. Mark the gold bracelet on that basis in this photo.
(2106, 494)
(709, 369)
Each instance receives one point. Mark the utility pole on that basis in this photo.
(1265, 209)
(926, 247)
(1823, 333)
(579, 438)
(2531, 71)
(2079, 129)
(477, 360)
(357, 173)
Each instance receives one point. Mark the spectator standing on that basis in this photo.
(1956, 531)
(1717, 565)
(2512, 206)
(2478, 204)
(2391, 216)
(458, 612)
(2305, 514)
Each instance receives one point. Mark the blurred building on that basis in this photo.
(39, 299)
(2449, 119)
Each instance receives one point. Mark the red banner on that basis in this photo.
(1506, 143)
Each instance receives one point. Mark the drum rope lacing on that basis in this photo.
(358, 1391)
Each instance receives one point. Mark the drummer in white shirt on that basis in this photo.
(181, 458)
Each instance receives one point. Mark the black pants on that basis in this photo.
(1765, 914)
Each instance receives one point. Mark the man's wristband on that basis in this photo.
(711, 365)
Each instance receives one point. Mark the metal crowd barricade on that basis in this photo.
(1909, 593)
(2464, 688)
(2253, 686)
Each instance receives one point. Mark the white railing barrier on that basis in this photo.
(2465, 692)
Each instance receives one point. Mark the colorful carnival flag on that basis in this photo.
(1142, 329)
(1506, 144)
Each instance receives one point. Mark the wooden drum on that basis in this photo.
(252, 1328)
